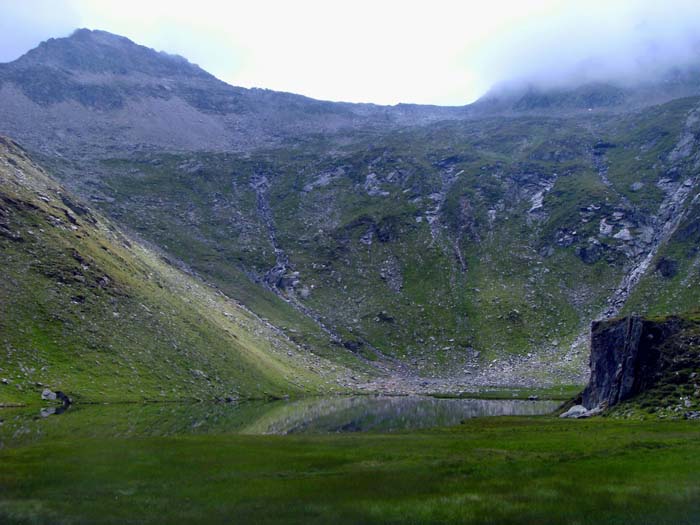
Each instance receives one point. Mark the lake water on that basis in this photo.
(309, 415)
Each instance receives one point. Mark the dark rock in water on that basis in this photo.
(53, 411)
(667, 267)
(626, 358)
(47, 411)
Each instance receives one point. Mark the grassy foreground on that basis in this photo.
(494, 470)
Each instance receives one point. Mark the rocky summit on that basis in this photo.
(430, 248)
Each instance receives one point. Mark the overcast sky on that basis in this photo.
(433, 51)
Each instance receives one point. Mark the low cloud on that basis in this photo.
(622, 42)
(439, 52)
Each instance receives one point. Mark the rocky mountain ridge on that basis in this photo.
(102, 92)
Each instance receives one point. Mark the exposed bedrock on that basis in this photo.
(630, 355)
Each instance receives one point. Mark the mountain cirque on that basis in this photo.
(443, 247)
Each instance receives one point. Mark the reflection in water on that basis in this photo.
(311, 415)
(386, 413)
(53, 411)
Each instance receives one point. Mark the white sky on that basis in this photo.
(436, 51)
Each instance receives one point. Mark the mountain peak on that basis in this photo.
(96, 51)
(85, 34)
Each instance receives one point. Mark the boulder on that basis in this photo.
(580, 412)
(48, 395)
(575, 412)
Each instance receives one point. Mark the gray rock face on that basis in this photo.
(625, 358)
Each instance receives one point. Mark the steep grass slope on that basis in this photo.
(85, 310)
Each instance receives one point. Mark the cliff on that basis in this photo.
(634, 357)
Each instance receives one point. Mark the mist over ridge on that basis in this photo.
(449, 54)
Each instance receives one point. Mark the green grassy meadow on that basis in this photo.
(505, 470)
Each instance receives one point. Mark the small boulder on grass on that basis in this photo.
(48, 395)
(580, 411)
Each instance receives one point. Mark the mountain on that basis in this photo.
(104, 93)
(444, 246)
(88, 311)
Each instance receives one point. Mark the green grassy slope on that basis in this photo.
(89, 312)
(447, 246)
(203, 211)
(440, 316)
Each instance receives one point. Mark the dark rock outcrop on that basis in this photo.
(590, 254)
(628, 356)
(668, 268)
